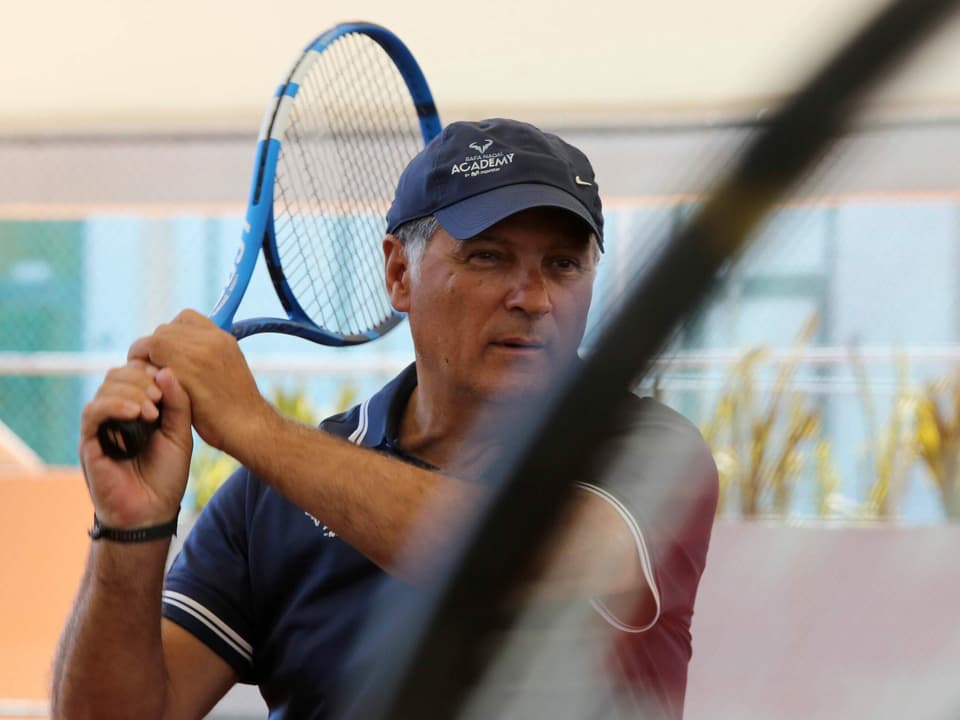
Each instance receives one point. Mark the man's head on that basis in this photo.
(499, 228)
(475, 174)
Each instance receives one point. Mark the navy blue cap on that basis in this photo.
(475, 174)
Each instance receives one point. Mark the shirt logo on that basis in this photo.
(327, 532)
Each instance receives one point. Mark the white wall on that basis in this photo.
(211, 64)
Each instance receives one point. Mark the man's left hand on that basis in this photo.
(208, 363)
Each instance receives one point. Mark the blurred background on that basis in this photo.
(825, 374)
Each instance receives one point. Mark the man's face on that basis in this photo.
(498, 315)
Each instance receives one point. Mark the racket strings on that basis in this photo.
(349, 104)
(322, 292)
(313, 270)
(298, 140)
(395, 155)
(311, 279)
(366, 275)
(352, 130)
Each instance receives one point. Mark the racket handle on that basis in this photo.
(124, 439)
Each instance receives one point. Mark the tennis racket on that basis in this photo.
(341, 127)
(433, 648)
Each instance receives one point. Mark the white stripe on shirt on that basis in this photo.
(218, 626)
(357, 435)
(645, 563)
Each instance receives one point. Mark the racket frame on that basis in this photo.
(124, 439)
(258, 230)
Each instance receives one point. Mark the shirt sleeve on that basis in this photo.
(662, 480)
(207, 589)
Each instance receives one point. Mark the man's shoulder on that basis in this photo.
(647, 427)
(644, 412)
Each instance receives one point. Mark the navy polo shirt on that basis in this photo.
(270, 588)
(281, 598)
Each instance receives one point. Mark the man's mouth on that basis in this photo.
(519, 343)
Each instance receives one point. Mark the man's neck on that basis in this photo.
(455, 433)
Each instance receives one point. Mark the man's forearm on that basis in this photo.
(401, 516)
(110, 659)
(387, 509)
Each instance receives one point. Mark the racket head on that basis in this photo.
(353, 110)
(349, 115)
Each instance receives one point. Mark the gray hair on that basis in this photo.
(413, 235)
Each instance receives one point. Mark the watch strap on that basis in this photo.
(135, 535)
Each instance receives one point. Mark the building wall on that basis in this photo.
(104, 64)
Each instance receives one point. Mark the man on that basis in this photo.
(492, 245)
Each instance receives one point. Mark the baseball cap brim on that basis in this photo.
(471, 216)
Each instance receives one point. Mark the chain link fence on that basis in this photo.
(89, 262)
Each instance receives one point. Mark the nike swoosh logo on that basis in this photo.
(578, 181)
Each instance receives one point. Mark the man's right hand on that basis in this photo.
(146, 490)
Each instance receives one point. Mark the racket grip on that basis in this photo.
(124, 439)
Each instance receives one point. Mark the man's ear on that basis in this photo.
(397, 267)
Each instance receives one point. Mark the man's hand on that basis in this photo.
(155, 669)
(224, 399)
(146, 490)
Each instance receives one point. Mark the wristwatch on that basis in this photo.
(136, 535)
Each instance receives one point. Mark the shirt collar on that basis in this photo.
(379, 422)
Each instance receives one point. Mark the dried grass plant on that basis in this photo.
(888, 449)
(210, 468)
(759, 443)
(936, 439)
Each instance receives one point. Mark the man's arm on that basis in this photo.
(396, 514)
(116, 658)
(401, 516)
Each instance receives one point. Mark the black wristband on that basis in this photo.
(155, 532)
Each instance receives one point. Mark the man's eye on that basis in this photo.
(483, 256)
(566, 264)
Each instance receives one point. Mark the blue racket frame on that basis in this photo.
(123, 439)
(258, 229)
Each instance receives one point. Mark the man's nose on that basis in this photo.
(529, 292)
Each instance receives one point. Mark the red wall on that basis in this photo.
(43, 543)
(859, 622)
(791, 622)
